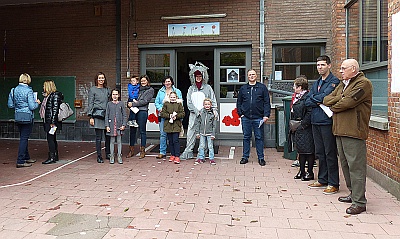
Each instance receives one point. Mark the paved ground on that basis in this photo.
(79, 198)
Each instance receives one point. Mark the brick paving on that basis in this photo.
(150, 198)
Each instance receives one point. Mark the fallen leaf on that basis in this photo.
(248, 202)
(349, 224)
(177, 170)
(227, 185)
(130, 227)
(253, 221)
(147, 210)
(55, 208)
(126, 209)
(235, 219)
(236, 190)
(104, 205)
(228, 180)
(23, 208)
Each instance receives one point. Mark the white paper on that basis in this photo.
(35, 95)
(260, 123)
(53, 130)
(326, 109)
(134, 109)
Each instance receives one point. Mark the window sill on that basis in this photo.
(381, 123)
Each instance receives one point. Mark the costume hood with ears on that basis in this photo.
(198, 66)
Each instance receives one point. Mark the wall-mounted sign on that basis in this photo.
(193, 29)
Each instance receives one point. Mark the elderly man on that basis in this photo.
(351, 104)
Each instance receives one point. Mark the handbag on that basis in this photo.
(293, 124)
(99, 113)
(64, 112)
(21, 117)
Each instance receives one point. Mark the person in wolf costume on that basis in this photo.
(197, 92)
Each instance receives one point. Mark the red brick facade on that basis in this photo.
(69, 39)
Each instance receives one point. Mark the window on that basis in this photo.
(292, 60)
(157, 65)
(233, 65)
(367, 40)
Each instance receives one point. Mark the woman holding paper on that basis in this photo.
(301, 132)
(49, 113)
(162, 97)
(146, 93)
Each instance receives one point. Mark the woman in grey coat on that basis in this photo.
(97, 104)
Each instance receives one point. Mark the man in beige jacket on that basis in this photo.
(351, 104)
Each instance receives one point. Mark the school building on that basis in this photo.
(71, 40)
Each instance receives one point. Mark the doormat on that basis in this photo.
(182, 143)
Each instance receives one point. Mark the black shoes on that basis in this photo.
(299, 175)
(100, 159)
(244, 161)
(346, 199)
(261, 162)
(307, 177)
(50, 159)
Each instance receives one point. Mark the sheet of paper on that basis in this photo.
(326, 109)
(53, 130)
(260, 123)
(35, 95)
(134, 109)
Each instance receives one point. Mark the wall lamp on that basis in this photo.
(217, 15)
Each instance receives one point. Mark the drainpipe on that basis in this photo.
(262, 36)
(118, 44)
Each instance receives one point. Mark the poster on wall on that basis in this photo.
(193, 29)
(395, 86)
(152, 119)
(232, 75)
(229, 119)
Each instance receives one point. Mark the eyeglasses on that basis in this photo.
(344, 68)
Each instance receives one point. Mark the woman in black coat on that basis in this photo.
(302, 135)
(49, 113)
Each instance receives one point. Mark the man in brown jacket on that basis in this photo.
(351, 104)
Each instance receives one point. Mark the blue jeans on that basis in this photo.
(163, 137)
(142, 122)
(174, 146)
(249, 125)
(25, 131)
(202, 145)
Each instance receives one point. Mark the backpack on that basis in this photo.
(64, 112)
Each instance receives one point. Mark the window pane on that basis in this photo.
(354, 32)
(297, 54)
(157, 60)
(229, 91)
(290, 72)
(157, 76)
(233, 58)
(369, 31)
(230, 75)
(384, 30)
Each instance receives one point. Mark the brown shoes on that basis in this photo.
(346, 199)
(317, 184)
(22, 165)
(161, 156)
(354, 209)
(30, 161)
(330, 190)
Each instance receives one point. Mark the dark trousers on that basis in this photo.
(51, 138)
(142, 122)
(326, 152)
(25, 131)
(99, 138)
(174, 147)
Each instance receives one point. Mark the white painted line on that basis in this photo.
(51, 171)
(231, 152)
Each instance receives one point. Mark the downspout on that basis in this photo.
(262, 37)
(118, 44)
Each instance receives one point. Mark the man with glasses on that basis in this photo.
(351, 104)
(324, 140)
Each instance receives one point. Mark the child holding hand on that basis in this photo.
(173, 112)
(115, 120)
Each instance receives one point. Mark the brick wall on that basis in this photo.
(383, 147)
(60, 39)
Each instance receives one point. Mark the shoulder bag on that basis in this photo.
(64, 112)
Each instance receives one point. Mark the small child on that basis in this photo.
(115, 124)
(204, 127)
(133, 93)
(173, 112)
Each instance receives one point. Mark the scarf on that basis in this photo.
(43, 107)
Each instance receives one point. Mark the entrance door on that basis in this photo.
(188, 56)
